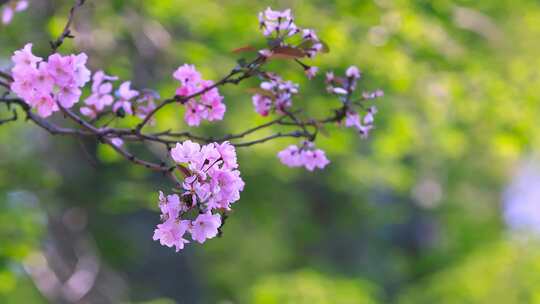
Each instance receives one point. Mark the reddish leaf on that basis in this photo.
(287, 52)
(247, 48)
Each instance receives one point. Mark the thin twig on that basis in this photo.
(66, 33)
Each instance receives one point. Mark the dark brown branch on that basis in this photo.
(274, 136)
(6, 76)
(66, 33)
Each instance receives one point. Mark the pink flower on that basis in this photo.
(205, 227)
(68, 96)
(207, 106)
(125, 105)
(61, 69)
(125, 92)
(291, 156)
(340, 91)
(42, 80)
(279, 22)
(262, 104)
(364, 131)
(170, 205)
(309, 34)
(171, 233)
(23, 85)
(281, 91)
(81, 75)
(330, 77)
(315, 159)
(195, 112)
(306, 156)
(353, 72)
(352, 119)
(45, 104)
(99, 101)
(89, 112)
(10, 8)
(311, 72)
(373, 95)
(369, 117)
(101, 94)
(187, 74)
(266, 53)
(228, 155)
(24, 58)
(185, 152)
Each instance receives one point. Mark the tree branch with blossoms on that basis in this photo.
(204, 170)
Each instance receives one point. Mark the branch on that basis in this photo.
(225, 80)
(66, 33)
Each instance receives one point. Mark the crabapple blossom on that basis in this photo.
(278, 95)
(208, 106)
(278, 22)
(205, 227)
(373, 95)
(280, 27)
(125, 95)
(11, 7)
(145, 104)
(101, 95)
(353, 119)
(311, 72)
(306, 156)
(171, 233)
(43, 85)
(186, 152)
(353, 72)
(212, 183)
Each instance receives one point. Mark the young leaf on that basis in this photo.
(287, 52)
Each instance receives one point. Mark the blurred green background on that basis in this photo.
(416, 214)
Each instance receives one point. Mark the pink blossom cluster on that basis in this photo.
(11, 7)
(45, 84)
(344, 87)
(278, 22)
(212, 184)
(280, 25)
(125, 101)
(305, 156)
(208, 105)
(277, 95)
(362, 125)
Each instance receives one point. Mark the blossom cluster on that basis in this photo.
(212, 183)
(125, 101)
(344, 87)
(280, 26)
(305, 156)
(208, 106)
(276, 95)
(11, 7)
(45, 84)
